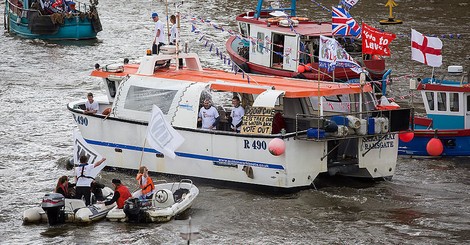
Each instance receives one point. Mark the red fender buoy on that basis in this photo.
(277, 147)
(435, 147)
(301, 69)
(406, 136)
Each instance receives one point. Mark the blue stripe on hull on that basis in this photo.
(188, 155)
(453, 146)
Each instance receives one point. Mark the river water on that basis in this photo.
(427, 202)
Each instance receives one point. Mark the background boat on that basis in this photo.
(29, 19)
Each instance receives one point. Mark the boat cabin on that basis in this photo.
(447, 100)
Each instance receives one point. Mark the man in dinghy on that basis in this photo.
(121, 194)
(83, 179)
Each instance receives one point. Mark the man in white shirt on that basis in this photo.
(237, 114)
(91, 106)
(209, 116)
(83, 179)
(159, 39)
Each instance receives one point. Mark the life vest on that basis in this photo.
(148, 187)
(65, 189)
(124, 194)
(81, 174)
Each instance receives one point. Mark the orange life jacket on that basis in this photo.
(148, 187)
(124, 194)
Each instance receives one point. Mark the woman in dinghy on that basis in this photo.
(65, 188)
(147, 188)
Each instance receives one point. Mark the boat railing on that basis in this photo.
(352, 125)
(21, 11)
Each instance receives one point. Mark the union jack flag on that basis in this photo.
(343, 24)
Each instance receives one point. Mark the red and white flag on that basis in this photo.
(427, 50)
(375, 41)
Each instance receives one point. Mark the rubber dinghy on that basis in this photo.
(169, 200)
(56, 209)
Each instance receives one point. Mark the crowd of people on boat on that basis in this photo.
(85, 185)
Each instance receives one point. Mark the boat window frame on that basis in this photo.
(454, 105)
(441, 98)
(430, 99)
(165, 109)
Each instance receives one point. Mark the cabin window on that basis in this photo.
(468, 102)
(369, 104)
(244, 29)
(143, 99)
(260, 42)
(111, 88)
(430, 99)
(454, 101)
(441, 102)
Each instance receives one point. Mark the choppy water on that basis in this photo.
(427, 202)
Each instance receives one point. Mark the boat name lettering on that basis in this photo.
(256, 144)
(80, 120)
(186, 106)
(377, 138)
(380, 145)
(231, 161)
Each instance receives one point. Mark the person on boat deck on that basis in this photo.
(83, 179)
(174, 36)
(159, 39)
(121, 194)
(208, 115)
(91, 106)
(145, 183)
(64, 187)
(237, 114)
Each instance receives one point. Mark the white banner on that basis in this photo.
(161, 135)
(332, 55)
(80, 148)
(349, 3)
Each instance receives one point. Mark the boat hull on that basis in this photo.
(375, 67)
(455, 143)
(230, 157)
(74, 28)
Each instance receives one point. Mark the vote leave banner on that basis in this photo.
(375, 41)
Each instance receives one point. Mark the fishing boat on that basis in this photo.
(45, 19)
(292, 131)
(56, 209)
(445, 131)
(168, 200)
(274, 42)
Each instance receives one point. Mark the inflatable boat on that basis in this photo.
(169, 200)
(56, 209)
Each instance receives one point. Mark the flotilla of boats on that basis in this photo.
(293, 130)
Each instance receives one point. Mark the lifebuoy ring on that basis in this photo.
(272, 20)
(302, 18)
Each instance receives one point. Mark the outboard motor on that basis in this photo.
(133, 211)
(53, 204)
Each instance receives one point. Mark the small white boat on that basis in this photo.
(169, 200)
(56, 209)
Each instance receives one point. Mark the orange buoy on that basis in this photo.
(406, 136)
(301, 69)
(277, 147)
(106, 111)
(308, 67)
(435, 147)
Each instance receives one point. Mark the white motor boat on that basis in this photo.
(292, 131)
(56, 209)
(169, 200)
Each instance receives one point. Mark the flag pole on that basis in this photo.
(432, 75)
(142, 153)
